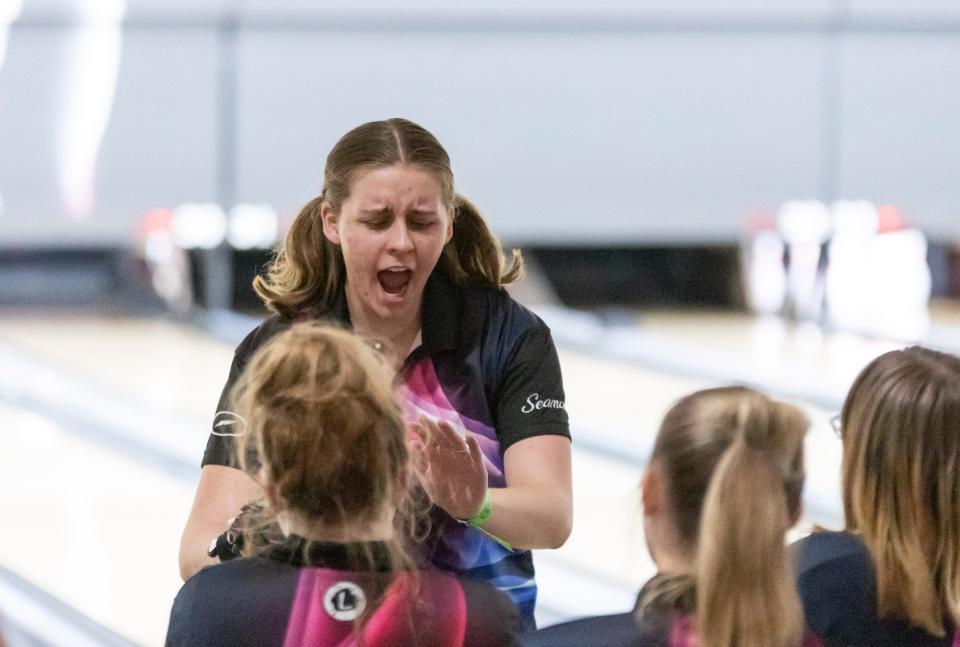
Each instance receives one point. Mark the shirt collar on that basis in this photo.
(296, 550)
(441, 313)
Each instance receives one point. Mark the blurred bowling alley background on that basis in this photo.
(706, 193)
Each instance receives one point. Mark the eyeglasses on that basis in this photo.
(835, 422)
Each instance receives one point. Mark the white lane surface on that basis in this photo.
(107, 527)
(90, 527)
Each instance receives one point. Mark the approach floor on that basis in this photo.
(106, 418)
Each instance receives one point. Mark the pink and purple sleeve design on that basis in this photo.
(432, 613)
(463, 549)
(423, 395)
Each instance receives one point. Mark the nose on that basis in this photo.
(399, 240)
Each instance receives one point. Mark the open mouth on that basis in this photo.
(394, 281)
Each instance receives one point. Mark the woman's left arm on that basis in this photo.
(535, 510)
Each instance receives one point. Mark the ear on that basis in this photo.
(450, 230)
(651, 492)
(451, 210)
(331, 223)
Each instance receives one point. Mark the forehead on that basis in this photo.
(398, 184)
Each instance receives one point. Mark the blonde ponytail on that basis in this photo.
(474, 254)
(307, 272)
(732, 462)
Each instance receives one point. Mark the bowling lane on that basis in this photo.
(614, 408)
(615, 411)
(90, 527)
(166, 367)
(795, 356)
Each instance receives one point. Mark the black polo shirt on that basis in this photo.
(486, 365)
(315, 594)
(657, 625)
(837, 585)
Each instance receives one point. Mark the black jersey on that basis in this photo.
(658, 625)
(487, 366)
(837, 584)
(618, 630)
(276, 600)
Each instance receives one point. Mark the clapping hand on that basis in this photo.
(450, 468)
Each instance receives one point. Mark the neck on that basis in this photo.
(381, 529)
(674, 564)
(666, 548)
(397, 333)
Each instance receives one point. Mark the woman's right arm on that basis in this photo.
(221, 492)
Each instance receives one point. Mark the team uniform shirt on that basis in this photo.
(655, 626)
(277, 601)
(837, 584)
(487, 366)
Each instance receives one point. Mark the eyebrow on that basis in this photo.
(376, 212)
(381, 211)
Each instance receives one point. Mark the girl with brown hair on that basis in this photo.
(893, 576)
(325, 439)
(720, 492)
(390, 249)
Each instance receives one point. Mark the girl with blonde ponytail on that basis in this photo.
(720, 492)
(392, 251)
(742, 577)
(326, 440)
